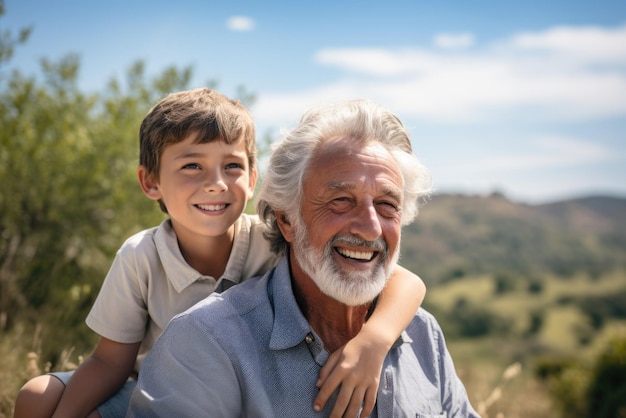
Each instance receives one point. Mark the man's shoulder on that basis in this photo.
(424, 323)
(424, 315)
(425, 327)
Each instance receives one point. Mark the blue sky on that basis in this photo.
(524, 97)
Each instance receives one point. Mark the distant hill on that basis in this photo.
(459, 235)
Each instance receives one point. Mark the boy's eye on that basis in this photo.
(234, 165)
(191, 166)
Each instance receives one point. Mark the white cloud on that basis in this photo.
(240, 23)
(591, 44)
(561, 74)
(453, 41)
(377, 62)
(549, 151)
(528, 168)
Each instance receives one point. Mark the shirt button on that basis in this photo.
(309, 338)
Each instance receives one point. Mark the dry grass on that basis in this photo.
(509, 392)
(20, 360)
(485, 406)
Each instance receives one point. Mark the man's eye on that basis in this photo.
(341, 204)
(390, 204)
(342, 200)
(388, 208)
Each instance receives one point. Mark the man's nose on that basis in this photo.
(366, 222)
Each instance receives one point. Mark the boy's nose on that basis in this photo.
(214, 182)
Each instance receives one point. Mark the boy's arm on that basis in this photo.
(97, 378)
(358, 364)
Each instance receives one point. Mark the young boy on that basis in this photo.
(198, 160)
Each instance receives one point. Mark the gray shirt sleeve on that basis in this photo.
(186, 374)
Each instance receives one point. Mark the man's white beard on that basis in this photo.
(350, 287)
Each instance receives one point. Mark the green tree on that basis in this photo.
(468, 320)
(69, 196)
(589, 390)
(607, 389)
(8, 41)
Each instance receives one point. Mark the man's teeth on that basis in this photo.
(212, 207)
(358, 255)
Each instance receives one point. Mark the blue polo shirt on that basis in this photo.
(250, 352)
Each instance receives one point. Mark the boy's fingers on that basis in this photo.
(326, 390)
(327, 369)
(369, 402)
(352, 399)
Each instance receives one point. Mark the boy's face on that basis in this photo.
(205, 187)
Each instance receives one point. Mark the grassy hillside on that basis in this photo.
(521, 289)
(455, 236)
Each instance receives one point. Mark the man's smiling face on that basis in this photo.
(348, 240)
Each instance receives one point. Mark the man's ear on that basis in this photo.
(285, 226)
(149, 185)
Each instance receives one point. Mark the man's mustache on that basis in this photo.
(353, 240)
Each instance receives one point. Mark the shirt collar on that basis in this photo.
(290, 326)
(177, 271)
(181, 274)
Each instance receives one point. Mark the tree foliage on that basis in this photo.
(69, 195)
(607, 390)
(597, 390)
(8, 41)
(69, 192)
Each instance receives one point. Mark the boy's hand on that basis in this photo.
(356, 367)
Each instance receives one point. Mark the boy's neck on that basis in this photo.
(207, 255)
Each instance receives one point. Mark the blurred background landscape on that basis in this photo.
(519, 109)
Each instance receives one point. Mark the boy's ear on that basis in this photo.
(149, 185)
(285, 226)
(252, 183)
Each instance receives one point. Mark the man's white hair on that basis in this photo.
(361, 120)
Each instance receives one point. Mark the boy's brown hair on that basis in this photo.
(211, 114)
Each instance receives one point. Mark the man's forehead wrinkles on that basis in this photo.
(386, 189)
(340, 185)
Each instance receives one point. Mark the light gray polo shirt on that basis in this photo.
(149, 282)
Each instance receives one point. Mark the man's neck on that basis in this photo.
(334, 322)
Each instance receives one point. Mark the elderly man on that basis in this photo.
(339, 188)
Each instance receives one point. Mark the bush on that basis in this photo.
(607, 389)
(503, 283)
(471, 321)
(596, 391)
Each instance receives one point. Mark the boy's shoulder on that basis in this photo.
(146, 240)
(251, 222)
